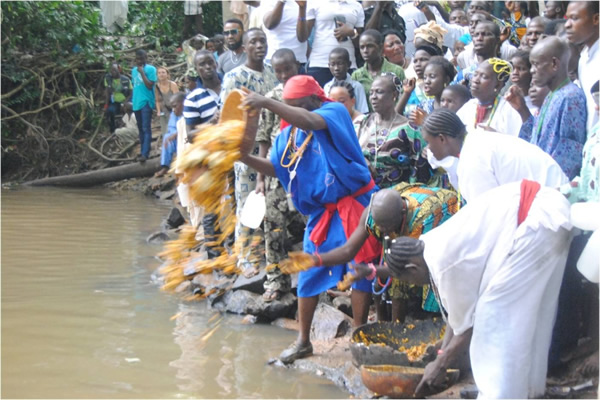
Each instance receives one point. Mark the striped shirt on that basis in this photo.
(200, 106)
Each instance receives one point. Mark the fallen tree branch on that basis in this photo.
(74, 100)
(102, 176)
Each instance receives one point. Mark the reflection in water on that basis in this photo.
(80, 318)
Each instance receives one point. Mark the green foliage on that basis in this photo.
(55, 26)
(213, 18)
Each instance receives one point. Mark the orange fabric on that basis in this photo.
(350, 211)
(529, 190)
(300, 86)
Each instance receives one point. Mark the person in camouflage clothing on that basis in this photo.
(282, 226)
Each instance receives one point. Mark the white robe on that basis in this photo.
(503, 281)
(490, 159)
(505, 119)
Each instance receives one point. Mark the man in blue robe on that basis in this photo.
(319, 161)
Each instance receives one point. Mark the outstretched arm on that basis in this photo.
(296, 116)
(260, 164)
(348, 251)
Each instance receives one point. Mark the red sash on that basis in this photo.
(350, 211)
(529, 189)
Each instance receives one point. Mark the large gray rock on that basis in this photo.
(344, 304)
(174, 219)
(245, 302)
(253, 284)
(329, 323)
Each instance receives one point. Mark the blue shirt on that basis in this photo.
(172, 125)
(143, 96)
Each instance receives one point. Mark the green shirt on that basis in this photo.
(365, 78)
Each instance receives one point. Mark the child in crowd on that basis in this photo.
(190, 84)
(459, 47)
(129, 132)
(339, 64)
(169, 144)
(454, 97)
(521, 76)
(537, 95)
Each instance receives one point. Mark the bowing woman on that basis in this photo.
(319, 162)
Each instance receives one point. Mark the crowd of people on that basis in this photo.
(432, 149)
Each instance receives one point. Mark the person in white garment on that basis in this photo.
(482, 160)
(496, 267)
(581, 28)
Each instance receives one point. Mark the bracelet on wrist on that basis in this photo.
(373, 272)
(320, 259)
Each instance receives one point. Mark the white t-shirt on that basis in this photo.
(283, 36)
(468, 57)
(323, 12)
(505, 120)
(589, 63)
(413, 18)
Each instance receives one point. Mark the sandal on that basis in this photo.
(271, 295)
(295, 352)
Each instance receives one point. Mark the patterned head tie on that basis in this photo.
(501, 68)
(431, 33)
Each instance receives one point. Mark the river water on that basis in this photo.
(81, 318)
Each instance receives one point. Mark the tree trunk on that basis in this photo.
(99, 177)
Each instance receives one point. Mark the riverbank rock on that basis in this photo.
(329, 323)
(157, 238)
(174, 219)
(332, 360)
(253, 284)
(246, 302)
(344, 304)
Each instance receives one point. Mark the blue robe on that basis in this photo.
(563, 130)
(332, 167)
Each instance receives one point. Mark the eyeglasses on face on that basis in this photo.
(232, 32)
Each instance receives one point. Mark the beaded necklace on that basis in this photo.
(494, 107)
(295, 158)
(384, 136)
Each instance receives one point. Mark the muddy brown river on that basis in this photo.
(82, 319)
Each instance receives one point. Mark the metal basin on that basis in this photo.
(381, 342)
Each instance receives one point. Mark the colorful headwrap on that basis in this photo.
(431, 33)
(301, 86)
(501, 68)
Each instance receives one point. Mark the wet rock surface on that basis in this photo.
(329, 323)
